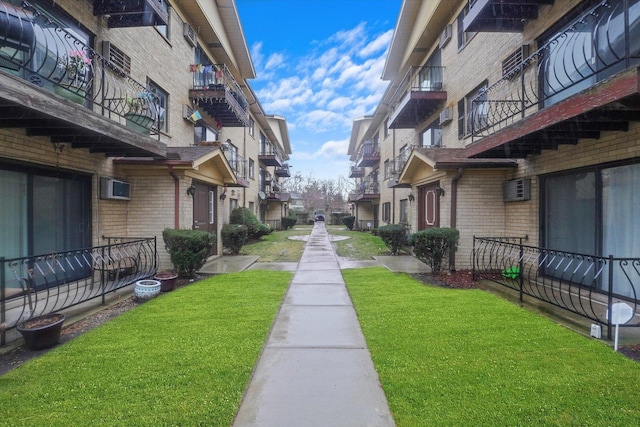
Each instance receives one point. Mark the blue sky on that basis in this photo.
(318, 64)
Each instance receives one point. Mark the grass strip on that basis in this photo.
(466, 357)
(277, 247)
(184, 358)
(360, 245)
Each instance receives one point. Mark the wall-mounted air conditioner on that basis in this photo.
(516, 190)
(112, 189)
(190, 34)
(446, 115)
(446, 35)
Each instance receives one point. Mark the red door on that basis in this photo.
(428, 206)
(204, 209)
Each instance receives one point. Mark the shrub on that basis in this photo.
(234, 236)
(432, 245)
(394, 236)
(188, 249)
(244, 216)
(289, 221)
(349, 221)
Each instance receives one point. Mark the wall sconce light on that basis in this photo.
(191, 190)
(233, 193)
(411, 197)
(439, 190)
(223, 196)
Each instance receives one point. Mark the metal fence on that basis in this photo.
(37, 285)
(587, 285)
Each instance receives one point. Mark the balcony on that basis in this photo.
(219, 95)
(419, 95)
(282, 171)
(395, 168)
(367, 190)
(240, 169)
(368, 155)
(356, 172)
(132, 13)
(269, 154)
(501, 15)
(580, 83)
(55, 86)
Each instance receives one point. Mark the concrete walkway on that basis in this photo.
(315, 369)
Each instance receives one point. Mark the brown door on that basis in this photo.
(428, 206)
(204, 209)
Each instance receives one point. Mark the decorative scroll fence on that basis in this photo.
(586, 285)
(36, 285)
(53, 57)
(599, 43)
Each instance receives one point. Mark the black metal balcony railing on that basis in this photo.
(368, 154)
(269, 154)
(587, 285)
(419, 94)
(598, 44)
(356, 172)
(282, 171)
(42, 284)
(217, 92)
(38, 50)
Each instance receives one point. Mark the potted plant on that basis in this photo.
(71, 84)
(167, 280)
(141, 113)
(42, 331)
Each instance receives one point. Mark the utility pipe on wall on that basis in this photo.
(454, 212)
(176, 195)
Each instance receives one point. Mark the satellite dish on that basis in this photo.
(262, 195)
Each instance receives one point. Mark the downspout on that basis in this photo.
(176, 196)
(454, 212)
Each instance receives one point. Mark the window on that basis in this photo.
(431, 73)
(164, 29)
(463, 37)
(386, 212)
(252, 207)
(252, 125)
(203, 133)
(404, 211)
(43, 211)
(432, 135)
(252, 169)
(386, 127)
(233, 203)
(473, 111)
(593, 211)
(161, 100)
(231, 153)
(386, 169)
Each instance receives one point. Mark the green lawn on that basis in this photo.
(277, 247)
(359, 246)
(467, 358)
(181, 359)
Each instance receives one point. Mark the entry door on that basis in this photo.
(204, 209)
(428, 207)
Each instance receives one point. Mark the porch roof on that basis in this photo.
(447, 158)
(187, 158)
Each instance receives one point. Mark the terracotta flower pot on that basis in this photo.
(167, 280)
(41, 332)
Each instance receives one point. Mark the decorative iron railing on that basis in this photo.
(599, 43)
(587, 285)
(218, 77)
(425, 78)
(37, 49)
(269, 148)
(37, 285)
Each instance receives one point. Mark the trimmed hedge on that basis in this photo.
(255, 228)
(349, 221)
(289, 221)
(234, 237)
(188, 249)
(394, 236)
(432, 245)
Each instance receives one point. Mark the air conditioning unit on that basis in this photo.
(517, 190)
(112, 189)
(446, 35)
(189, 34)
(446, 115)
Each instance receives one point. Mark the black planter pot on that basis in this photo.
(41, 332)
(167, 281)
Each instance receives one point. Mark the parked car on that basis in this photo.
(319, 216)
